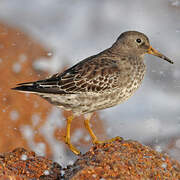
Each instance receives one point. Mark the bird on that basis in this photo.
(98, 82)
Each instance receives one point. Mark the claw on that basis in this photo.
(73, 149)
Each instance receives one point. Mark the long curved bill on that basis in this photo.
(158, 54)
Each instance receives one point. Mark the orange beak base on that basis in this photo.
(158, 54)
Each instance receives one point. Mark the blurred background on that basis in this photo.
(42, 37)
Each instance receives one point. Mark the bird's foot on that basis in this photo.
(72, 148)
(96, 141)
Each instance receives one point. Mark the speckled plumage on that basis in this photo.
(100, 81)
(96, 83)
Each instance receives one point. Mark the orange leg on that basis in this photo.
(87, 126)
(93, 136)
(68, 136)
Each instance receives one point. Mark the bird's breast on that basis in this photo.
(130, 78)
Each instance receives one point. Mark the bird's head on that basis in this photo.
(136, 43)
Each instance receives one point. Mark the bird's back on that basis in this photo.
(98, 82)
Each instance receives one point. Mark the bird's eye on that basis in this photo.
(138, 41)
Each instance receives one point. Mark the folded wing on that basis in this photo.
(89, 75)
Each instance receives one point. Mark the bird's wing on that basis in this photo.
(89, 75)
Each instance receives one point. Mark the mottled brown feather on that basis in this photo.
(90, 75)
(100, 81)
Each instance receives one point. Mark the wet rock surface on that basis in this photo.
(24, 164)
(123, 160)
(116, 160)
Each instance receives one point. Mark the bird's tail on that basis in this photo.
(39, 87)
(28, 87)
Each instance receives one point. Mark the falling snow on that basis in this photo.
(28, 133)
(153, 125)
(87, 138)
(22, 58)
(46, 172)
(84, 34)
(77, 135)
(49, 54)
(158, 148)
(14, 115)
(35, 119)
(24, 157)
(54, 121)
(175, 3)
(4, 99)
(164, 165)
(178, 143)
(16, 67)
(36, 105)
(62, 172)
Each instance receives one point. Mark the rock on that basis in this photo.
(25, 164)
(115, 160)
(123, 160)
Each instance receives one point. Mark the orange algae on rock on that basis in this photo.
(115, 160)
(26, 164)
(123, 160)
